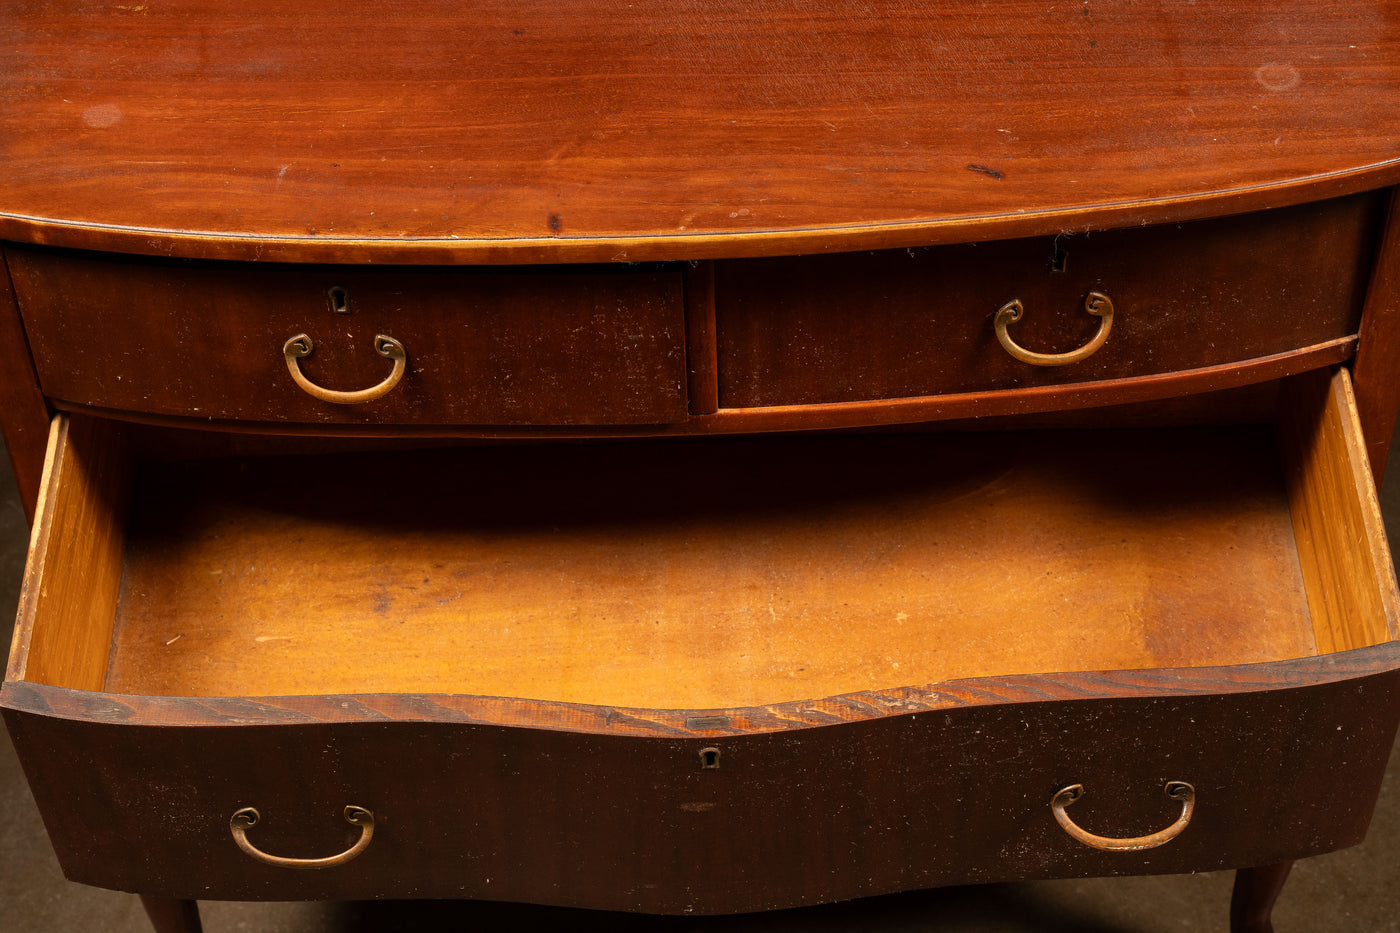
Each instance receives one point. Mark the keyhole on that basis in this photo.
(709, 758)
(339, 299)
(1059, 257)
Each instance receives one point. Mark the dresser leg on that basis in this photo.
(172, 915)
(1252, 903)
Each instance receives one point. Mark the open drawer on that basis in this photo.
(707, 676)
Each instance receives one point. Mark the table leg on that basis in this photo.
(1252, 903)
(172, 915)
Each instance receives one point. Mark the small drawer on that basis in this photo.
(551, 346)
(706, 676)
(921, 322)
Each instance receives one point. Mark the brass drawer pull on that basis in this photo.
(355, 816)
(1176, 790)
(1096, 303)
(387, 347)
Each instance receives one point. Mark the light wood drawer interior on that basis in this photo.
(705, 574)
(907, 323)
(484, 346)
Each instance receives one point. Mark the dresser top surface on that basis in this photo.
(600, 130)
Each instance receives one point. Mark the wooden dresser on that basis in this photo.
(699, 458)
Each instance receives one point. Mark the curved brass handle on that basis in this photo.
(1176, 790)
(1096, 303)
(387, 347)
(239, 823)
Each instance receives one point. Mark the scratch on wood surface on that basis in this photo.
(973, 167)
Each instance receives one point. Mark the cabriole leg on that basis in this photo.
(1252, 903)
(172, 915)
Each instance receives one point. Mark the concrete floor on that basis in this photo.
(1356, 891)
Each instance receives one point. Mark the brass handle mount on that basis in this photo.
(1096, 303)
(387, 347)
(248, 817)
(1176, 790)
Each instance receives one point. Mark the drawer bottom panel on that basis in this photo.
(689, 825)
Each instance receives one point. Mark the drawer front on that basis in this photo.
(633, 823)
(905, 323)
(482, 346)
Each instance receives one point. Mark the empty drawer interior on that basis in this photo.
(705, 574)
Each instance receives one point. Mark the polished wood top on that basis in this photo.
(597, 130)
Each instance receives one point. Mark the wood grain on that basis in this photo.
(703, 724)
(1079, 399)
(909, 323)
(66, 609)
(712, 574)
(485, 346)
(1377, 367)
(700, 338)
(1341, 537)
(26, 419)
(791, 817)
(585, 131)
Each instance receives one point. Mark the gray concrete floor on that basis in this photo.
(1356, 891)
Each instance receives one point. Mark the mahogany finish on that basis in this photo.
(465, 791)
(1164, 391)
(585, 818)
(484, 346)
(1378, 352)
(169, 915)
(704, 725)
(901, 323)
(581, 130)
(25, 424)
(1256, 889)
(185, 182)
(700, 337)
